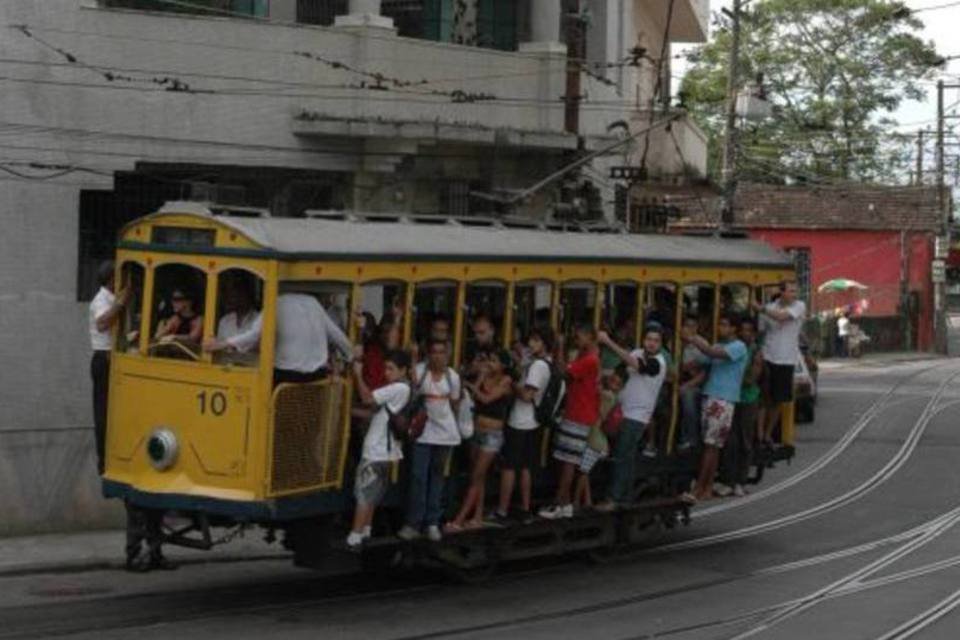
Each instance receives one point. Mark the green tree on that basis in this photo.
(835, 71)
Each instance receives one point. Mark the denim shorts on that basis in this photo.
(491, 440)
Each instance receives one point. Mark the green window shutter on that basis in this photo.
(497, 24)
(437, 20)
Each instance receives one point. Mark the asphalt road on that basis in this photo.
(859, 538)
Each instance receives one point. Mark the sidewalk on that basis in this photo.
(874, 360)
(93, 550)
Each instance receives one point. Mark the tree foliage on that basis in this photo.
(835, 71)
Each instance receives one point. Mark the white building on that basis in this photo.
(108, 109)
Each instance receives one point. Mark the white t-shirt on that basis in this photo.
(230, 326)
(379, 445)
(639, 395)
(523, 415)
(781, 344)
(101, 303)
(441, 428)
(843, 326)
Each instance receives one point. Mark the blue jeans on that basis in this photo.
(690, 416)
(427, 462)
(625, 460)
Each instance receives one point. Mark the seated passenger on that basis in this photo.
(493, 397)
(303, 332)
(721, 393)
(241, 313)
(647, 370)
(380, 447)
(523, 434)
(581, 412)
(440, 385)
(185, 323)
(693, 373)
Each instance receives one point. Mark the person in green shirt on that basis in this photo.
(739, 452)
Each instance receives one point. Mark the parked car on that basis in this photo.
(805, 384)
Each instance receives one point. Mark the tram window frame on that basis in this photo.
(612, 320)
(224, 277)
(738, 310)
(131, 319)
(523, 323)
(163, 287)
(395, 303)
(709, 315)
(470, 315)
(418, 335)
(565, 321)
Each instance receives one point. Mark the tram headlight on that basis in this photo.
(162, 448)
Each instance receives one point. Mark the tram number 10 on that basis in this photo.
(215, 403)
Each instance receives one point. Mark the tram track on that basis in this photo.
(874, 410)
(893, 465)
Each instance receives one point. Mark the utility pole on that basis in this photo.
(730, 135)
(940, 286)
(919, 174)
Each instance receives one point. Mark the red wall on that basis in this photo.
(870, 257)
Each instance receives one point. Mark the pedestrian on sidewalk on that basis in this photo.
(143, 525)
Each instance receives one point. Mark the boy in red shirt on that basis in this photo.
(581, 412)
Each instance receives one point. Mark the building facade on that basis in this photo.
(111, 107)
(881, 237)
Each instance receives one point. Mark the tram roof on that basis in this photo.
(326, 238)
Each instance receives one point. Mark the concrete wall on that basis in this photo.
(57, 112)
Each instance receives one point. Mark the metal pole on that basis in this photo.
(730, 135)
(919, 178)
(940, 289)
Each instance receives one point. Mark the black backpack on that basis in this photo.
(547, 412)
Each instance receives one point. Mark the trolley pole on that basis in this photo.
(730, 141)
(919, 175)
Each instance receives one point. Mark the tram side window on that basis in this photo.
(660, 308)
(380, 324)
(177, 312)
(698, 302)
(735, 299)
(577, 306)
(619, 320)
(239, 303)
(128, 333)
(532, 307)
(434, 312)
(486, 304)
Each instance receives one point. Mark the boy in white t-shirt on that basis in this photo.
(523, 434)
(380, 447)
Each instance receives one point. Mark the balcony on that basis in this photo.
(690, 21)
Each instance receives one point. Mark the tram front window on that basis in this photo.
(132, 276)
(177, 322)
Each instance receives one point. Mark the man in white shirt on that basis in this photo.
(105, 310)
(843, 335)
(241, 314)
(304, 330)
(783, 320)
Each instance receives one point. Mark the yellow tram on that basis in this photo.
(210, 435)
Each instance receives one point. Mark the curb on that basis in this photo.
(108, 565)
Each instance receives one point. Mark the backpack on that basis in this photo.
(547, 412)
(408, 424)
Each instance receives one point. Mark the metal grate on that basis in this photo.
(308, 433)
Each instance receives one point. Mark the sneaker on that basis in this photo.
(688, 498)
(526, 517)
(137, 563)
(433, 533)
(650, 451)
(684, 446)
(355, 540)
(159, 561)
(739, 491)
(367, 532)
(556, 512)
(721, 490)
(607, 506)
(408, 533)
(497, 518)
